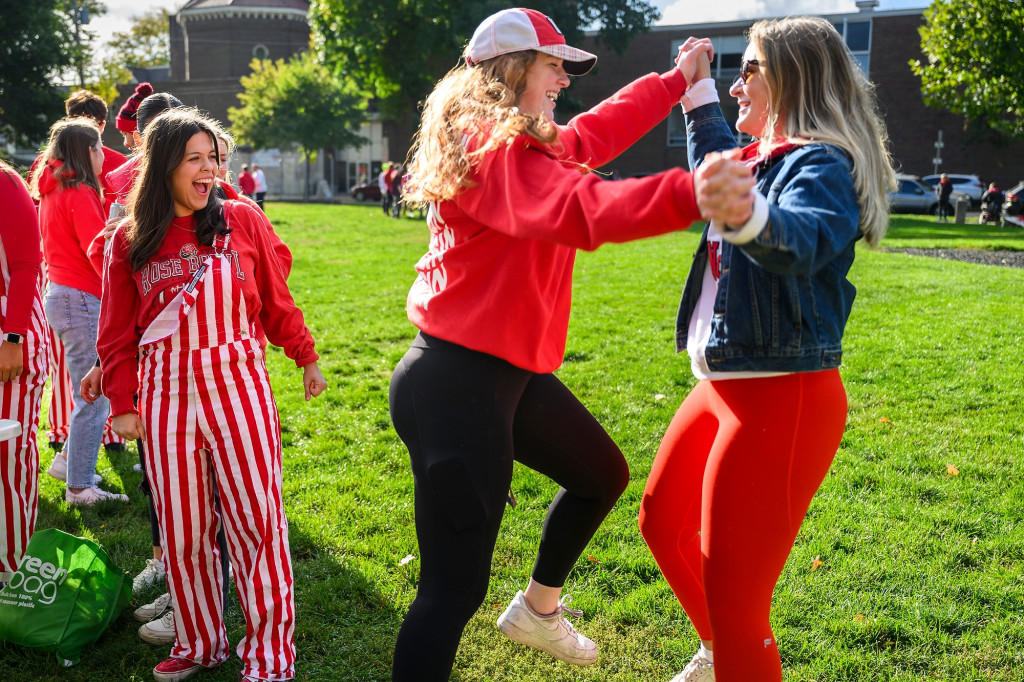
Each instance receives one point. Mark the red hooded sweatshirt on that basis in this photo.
(69, 219)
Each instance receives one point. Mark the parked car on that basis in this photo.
(912, 196)
(370, 191)
(1013, 206)
(970, 185)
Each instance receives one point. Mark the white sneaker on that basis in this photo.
(154, 609)
(699, 669)
(90, 496)
(153, 572)
(59, 469)
(552, 634)
(159, 631)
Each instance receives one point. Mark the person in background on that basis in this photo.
(92, 106)
(246, 182)
(67, 185)
(762, 319)
(155, 341)
(261, 184)
(126, 121)
(122, 179)
(385, 187)
(397, 177)
(24, 336)
(943, 190)
(508, 206)
(85, 103)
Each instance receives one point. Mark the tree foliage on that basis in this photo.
(146, 43)
(34, 49)
(398, 49)
(297, 101)
(974, 64)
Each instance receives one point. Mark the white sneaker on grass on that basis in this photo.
(153, 572)
(154, 609)
(699, 669)
(59, 469)
(87, 497)
(552, 633)
(159, 631)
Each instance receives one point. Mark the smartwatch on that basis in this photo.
(11, 337)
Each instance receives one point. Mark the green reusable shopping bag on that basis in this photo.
(64, 595)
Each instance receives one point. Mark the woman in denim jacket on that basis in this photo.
(762, 318)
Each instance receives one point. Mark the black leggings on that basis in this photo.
(465, 416)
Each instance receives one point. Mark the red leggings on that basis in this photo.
(730, 486)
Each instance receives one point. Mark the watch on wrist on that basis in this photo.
(11, 337)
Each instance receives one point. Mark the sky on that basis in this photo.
(120, 12)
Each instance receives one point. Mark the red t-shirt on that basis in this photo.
(246, 182)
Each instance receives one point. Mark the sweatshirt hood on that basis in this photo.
(47, 180)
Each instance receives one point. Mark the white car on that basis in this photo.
(970, 185)
(912, 196)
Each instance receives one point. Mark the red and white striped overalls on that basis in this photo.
(209, 413)
(19, 457)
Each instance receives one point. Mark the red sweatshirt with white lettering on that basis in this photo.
(132, 300)
(498, 275)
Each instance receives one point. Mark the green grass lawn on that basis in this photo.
(921, 572)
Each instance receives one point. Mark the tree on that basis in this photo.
(33, 50)
(398, 49)
(975, 62)
(146, 43)
(298, 101)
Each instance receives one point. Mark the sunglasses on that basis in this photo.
(747, 70)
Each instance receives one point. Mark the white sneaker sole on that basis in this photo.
(155, 637)
(517, 634)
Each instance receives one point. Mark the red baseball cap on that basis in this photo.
(513, 30)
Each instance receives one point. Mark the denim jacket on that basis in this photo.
(784, 297)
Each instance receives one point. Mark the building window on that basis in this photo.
(260, 52)
(725, 69)
(857, 34)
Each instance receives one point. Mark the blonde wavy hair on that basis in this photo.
(820, 94)
(470, 104)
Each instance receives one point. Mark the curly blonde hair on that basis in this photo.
(821, 95)
(472, 107)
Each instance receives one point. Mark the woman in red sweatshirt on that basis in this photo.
(23, 341)
(66, 182)
(509, 202)
(185, 282)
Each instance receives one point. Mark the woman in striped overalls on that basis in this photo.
(23, 343)
(184, 285)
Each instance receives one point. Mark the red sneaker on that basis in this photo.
(174, 669)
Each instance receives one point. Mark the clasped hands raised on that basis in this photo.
(723, 185)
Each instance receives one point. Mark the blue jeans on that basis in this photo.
(74, 316)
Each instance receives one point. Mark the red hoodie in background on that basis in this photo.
(69, 219)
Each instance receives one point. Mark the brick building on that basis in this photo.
(883, 42)
(212, 44)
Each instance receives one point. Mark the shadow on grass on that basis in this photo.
(345, 629)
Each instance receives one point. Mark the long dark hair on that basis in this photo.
(153, 106)
(150, 202)
(70, 140)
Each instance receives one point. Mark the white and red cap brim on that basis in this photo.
(514, 30)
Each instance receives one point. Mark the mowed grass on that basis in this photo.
(908, 566)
